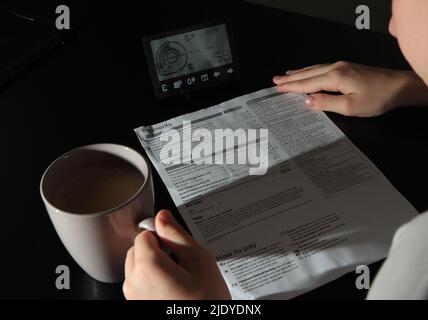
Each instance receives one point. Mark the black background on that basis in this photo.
(96, 88)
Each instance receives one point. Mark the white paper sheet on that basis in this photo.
(321, 209)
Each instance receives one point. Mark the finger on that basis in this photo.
(308, 73)
(145, 244)
(152, 260)
(288, 73)
(311, 85)
(129, 262)
(291, 71)
(176, 238)
(306, 68)
(327, 102)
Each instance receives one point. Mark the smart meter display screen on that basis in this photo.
(191, 58)
(191, 52)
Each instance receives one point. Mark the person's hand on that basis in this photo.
(364, 91)
(151, 274)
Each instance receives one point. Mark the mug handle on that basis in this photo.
(148, 224)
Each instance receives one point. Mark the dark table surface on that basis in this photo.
(95, 88)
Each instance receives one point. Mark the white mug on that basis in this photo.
(98, 242)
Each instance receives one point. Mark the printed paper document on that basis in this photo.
(322, 208)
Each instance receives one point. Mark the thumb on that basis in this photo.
(173, 235)
(327, 102)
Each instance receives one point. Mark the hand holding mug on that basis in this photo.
(150, 273)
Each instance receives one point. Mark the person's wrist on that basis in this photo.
(410, 91)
